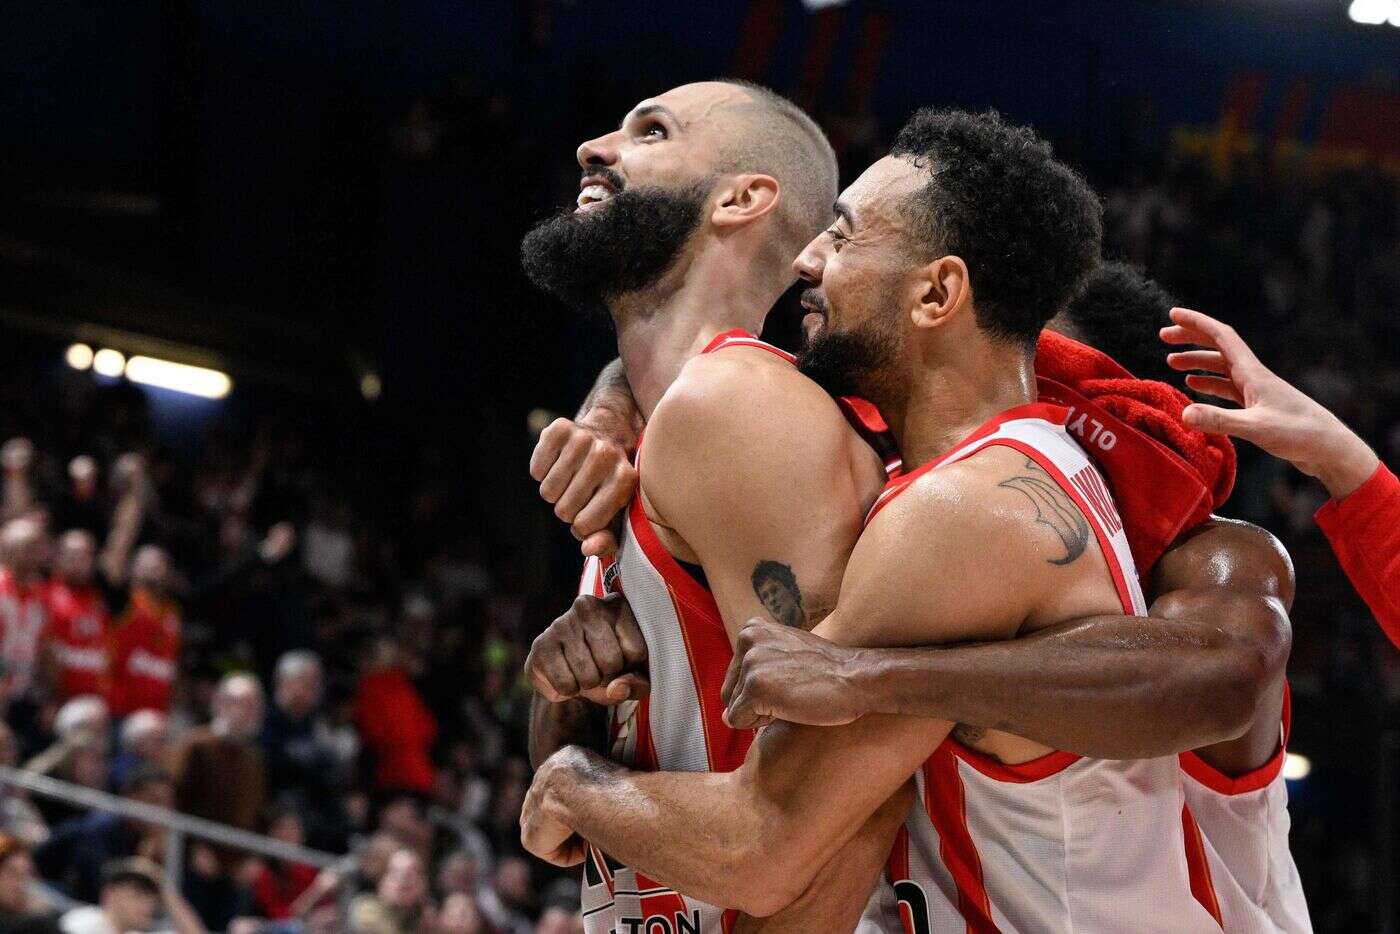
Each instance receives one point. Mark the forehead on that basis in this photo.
(698, 104)
(882, 189)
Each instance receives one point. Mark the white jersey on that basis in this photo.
(1244, 820)
(1062, 843)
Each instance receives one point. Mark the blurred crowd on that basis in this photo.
(234, 635)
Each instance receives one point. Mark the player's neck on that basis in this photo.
(659, 332)
(949, 399)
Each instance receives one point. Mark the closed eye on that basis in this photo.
(837, 238)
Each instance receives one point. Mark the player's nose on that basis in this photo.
(601, 150)
(810, 263)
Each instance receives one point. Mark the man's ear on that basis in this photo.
(943, 292)
(744, 199)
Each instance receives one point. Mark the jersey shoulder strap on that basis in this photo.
(738, 337)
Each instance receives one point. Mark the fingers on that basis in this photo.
(1215, 386)
(631, 686)
(577, 654)
(548, 447)
(1212, 418)
(605, 500)
(599, 544)
(604, 648)
(571, 458)
(1220, 336)
(1210, 360)
(1176, 334)
(549, 670)
(629, 637)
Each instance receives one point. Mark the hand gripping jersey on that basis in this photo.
(1062, 843)
(678, 727)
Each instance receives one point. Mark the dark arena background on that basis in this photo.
(321, 206)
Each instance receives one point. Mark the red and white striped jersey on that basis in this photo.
(1244, 820)
(24, 624)
(679, 725)
(1061, 843)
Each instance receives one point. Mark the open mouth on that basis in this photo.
(594, 193)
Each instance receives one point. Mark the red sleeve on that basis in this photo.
(1364, 529)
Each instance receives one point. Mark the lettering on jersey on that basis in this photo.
(612, 577)
(913, 906)
(676, 924)
(1088, 482)
(1090, 430)
(142, 662)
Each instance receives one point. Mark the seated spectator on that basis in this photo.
(20, 910)
(78, 848)
(459, 915)
(142, 743)
(277, 885)
(400, 902)
(18, 815)
(507, 902)
(396, 726)
(302, 763)
(218, 768)
(78, 753)
(131, 895)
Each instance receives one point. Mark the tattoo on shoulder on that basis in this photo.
(1053, 508)
(776, 586)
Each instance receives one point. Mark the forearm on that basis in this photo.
(575, 722)
(836, 899)
(610, 407)
(1364, 531)
(1107, 687)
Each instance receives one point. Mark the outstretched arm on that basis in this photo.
(1199, 672)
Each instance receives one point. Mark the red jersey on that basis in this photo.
(78, 630)
(24, 620)
(143, 655)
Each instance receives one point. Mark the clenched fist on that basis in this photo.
(595, 651)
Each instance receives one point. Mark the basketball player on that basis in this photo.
(945, 261)
(1101, 687)
(687, 219)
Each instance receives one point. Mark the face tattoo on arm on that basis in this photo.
(776, 586)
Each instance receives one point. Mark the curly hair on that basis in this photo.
(1027, 225)
(1119, 312)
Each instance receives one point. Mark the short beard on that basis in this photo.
(586, 260)
(850, 363)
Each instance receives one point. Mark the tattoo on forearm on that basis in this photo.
(776, 586)
(1053, 508)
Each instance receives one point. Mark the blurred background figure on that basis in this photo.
(400, 902)
(21, 909)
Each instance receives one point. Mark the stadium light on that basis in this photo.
(1296, 767)
(1374, 12)
(179, 377)
(78, 356)
(108, 362)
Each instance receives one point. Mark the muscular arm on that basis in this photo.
(1204, 671)
(931, 567)
(611, 409)
(553, 726)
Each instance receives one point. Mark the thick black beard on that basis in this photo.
(586, 259)
(848, 363)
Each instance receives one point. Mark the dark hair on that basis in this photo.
(1027, 225)
(129, 872)
(144, 775)
(1119, 312)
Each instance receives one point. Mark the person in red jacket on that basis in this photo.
(1362, 519)
(144, 643)
(77, 617)
(395, 725)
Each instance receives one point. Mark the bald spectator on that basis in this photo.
(145, 638)
(142, 742)
(81, 506)
(218, 768)
(301, 761)
(77, 617)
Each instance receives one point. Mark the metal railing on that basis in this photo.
(178, 827)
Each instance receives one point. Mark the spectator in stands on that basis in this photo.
(302, 764)
(77, 618)
(141, 743)
(132, 893)
(78, 753)
(24, 615)
(20, 910)
(459, 915)
(394, 723)
(145, 640)
(18, 816)
(508, 901)
(81, 507)
(277, 885)
(218, 768)
(559, 920)
(78, 848)
(400, 902)
(19, 495)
